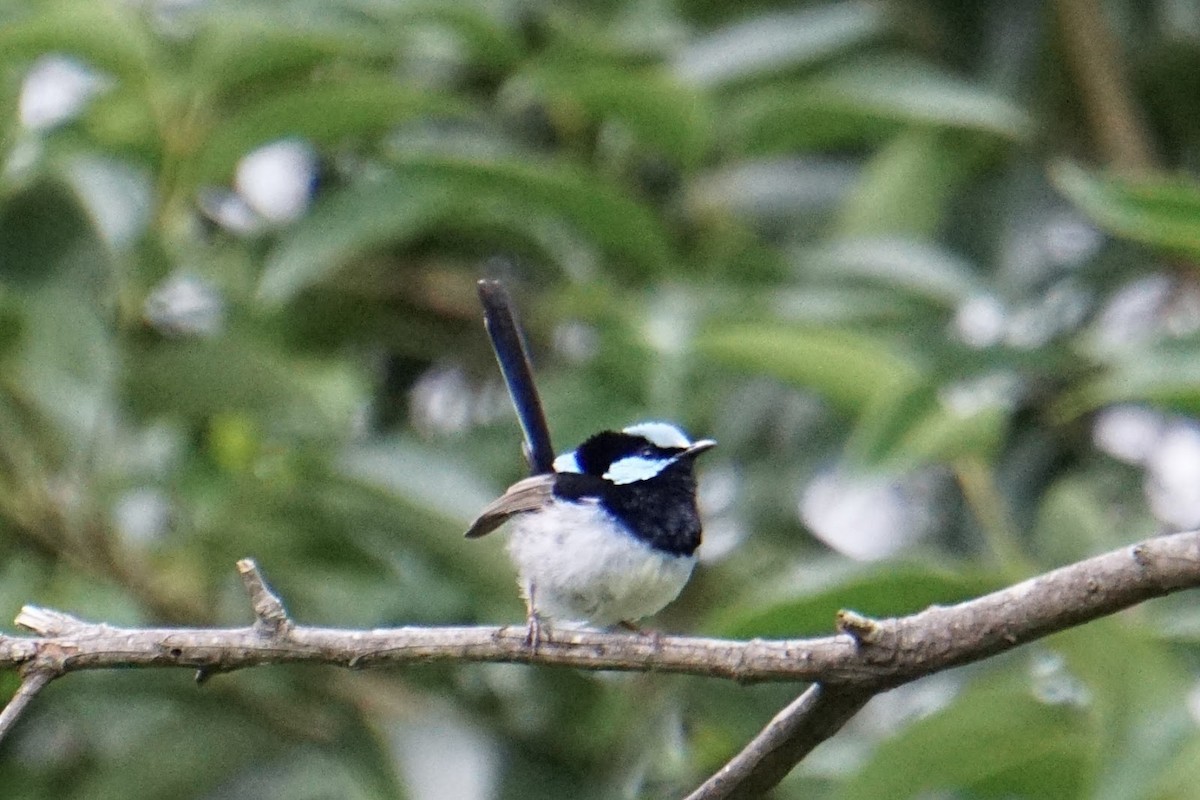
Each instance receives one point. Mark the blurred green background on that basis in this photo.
(926, 269)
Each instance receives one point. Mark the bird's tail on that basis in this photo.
(515, 365)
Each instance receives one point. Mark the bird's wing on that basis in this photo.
(529, 494)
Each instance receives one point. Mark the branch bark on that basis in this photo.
(865, 658)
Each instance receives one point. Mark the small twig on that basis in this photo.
(34, 682)
(987, 504)
(810, 719)
(47, 621)
(1094, 55)
(270, 615)
(863, 630)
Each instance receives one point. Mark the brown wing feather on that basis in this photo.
(525, 495)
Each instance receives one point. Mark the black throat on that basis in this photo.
(661, 511)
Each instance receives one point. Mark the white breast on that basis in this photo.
(579, 565)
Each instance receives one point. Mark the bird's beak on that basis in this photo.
(699, 447)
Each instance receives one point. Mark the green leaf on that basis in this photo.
(197, 378)
(47, 240)
(996, 740)
(143, 722)
(1079, 515)
(125, 120)
(918, 94)
(350, 224)
(886, 420)
(912, 426)
(776, 42)
(894, 263)
(486, 198)
(1181, 776)
(907, 186)
(788, 116)
(660, 113)
(629, 231)
(237, 44)
(864, 102)
(947, 434)
(489, 42)
(107, 36)
(848, 369)
(430, 496)
(1135, 691)
(1167, 375)
(324, 114)
(57, 268)
(883, 591)
(238, 47)
(1160, 211)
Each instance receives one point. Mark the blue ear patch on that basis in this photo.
(635, 468)
(567, 462)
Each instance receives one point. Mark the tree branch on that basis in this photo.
(1062, 598)
(34, 682)
(867, 656)
(810, 719)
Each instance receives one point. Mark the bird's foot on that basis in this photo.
(653, 634)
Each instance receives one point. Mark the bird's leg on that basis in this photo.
(533, 631)
(533, 621)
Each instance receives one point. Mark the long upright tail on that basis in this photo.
(514, 363)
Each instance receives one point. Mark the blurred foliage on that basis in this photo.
(876, 249)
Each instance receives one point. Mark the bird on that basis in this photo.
(604, 534)
(609, 534)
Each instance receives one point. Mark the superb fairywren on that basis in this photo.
(606, 533)
(610, 535)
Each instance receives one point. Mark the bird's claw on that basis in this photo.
(653, 634)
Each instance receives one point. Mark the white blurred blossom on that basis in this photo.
(142, 515)
(1068, 239)
(969, 397)
(1172, 482)
(277, 180)
(55, 91)
(1128, 433)
(867, 517)
(576, 341)
(441, 401)
(1133, 313)
(185, 305)
(1059, 309)
(441, 755)
(717, 496)
(981, 321)
(1193, 704)
(1053, 683)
